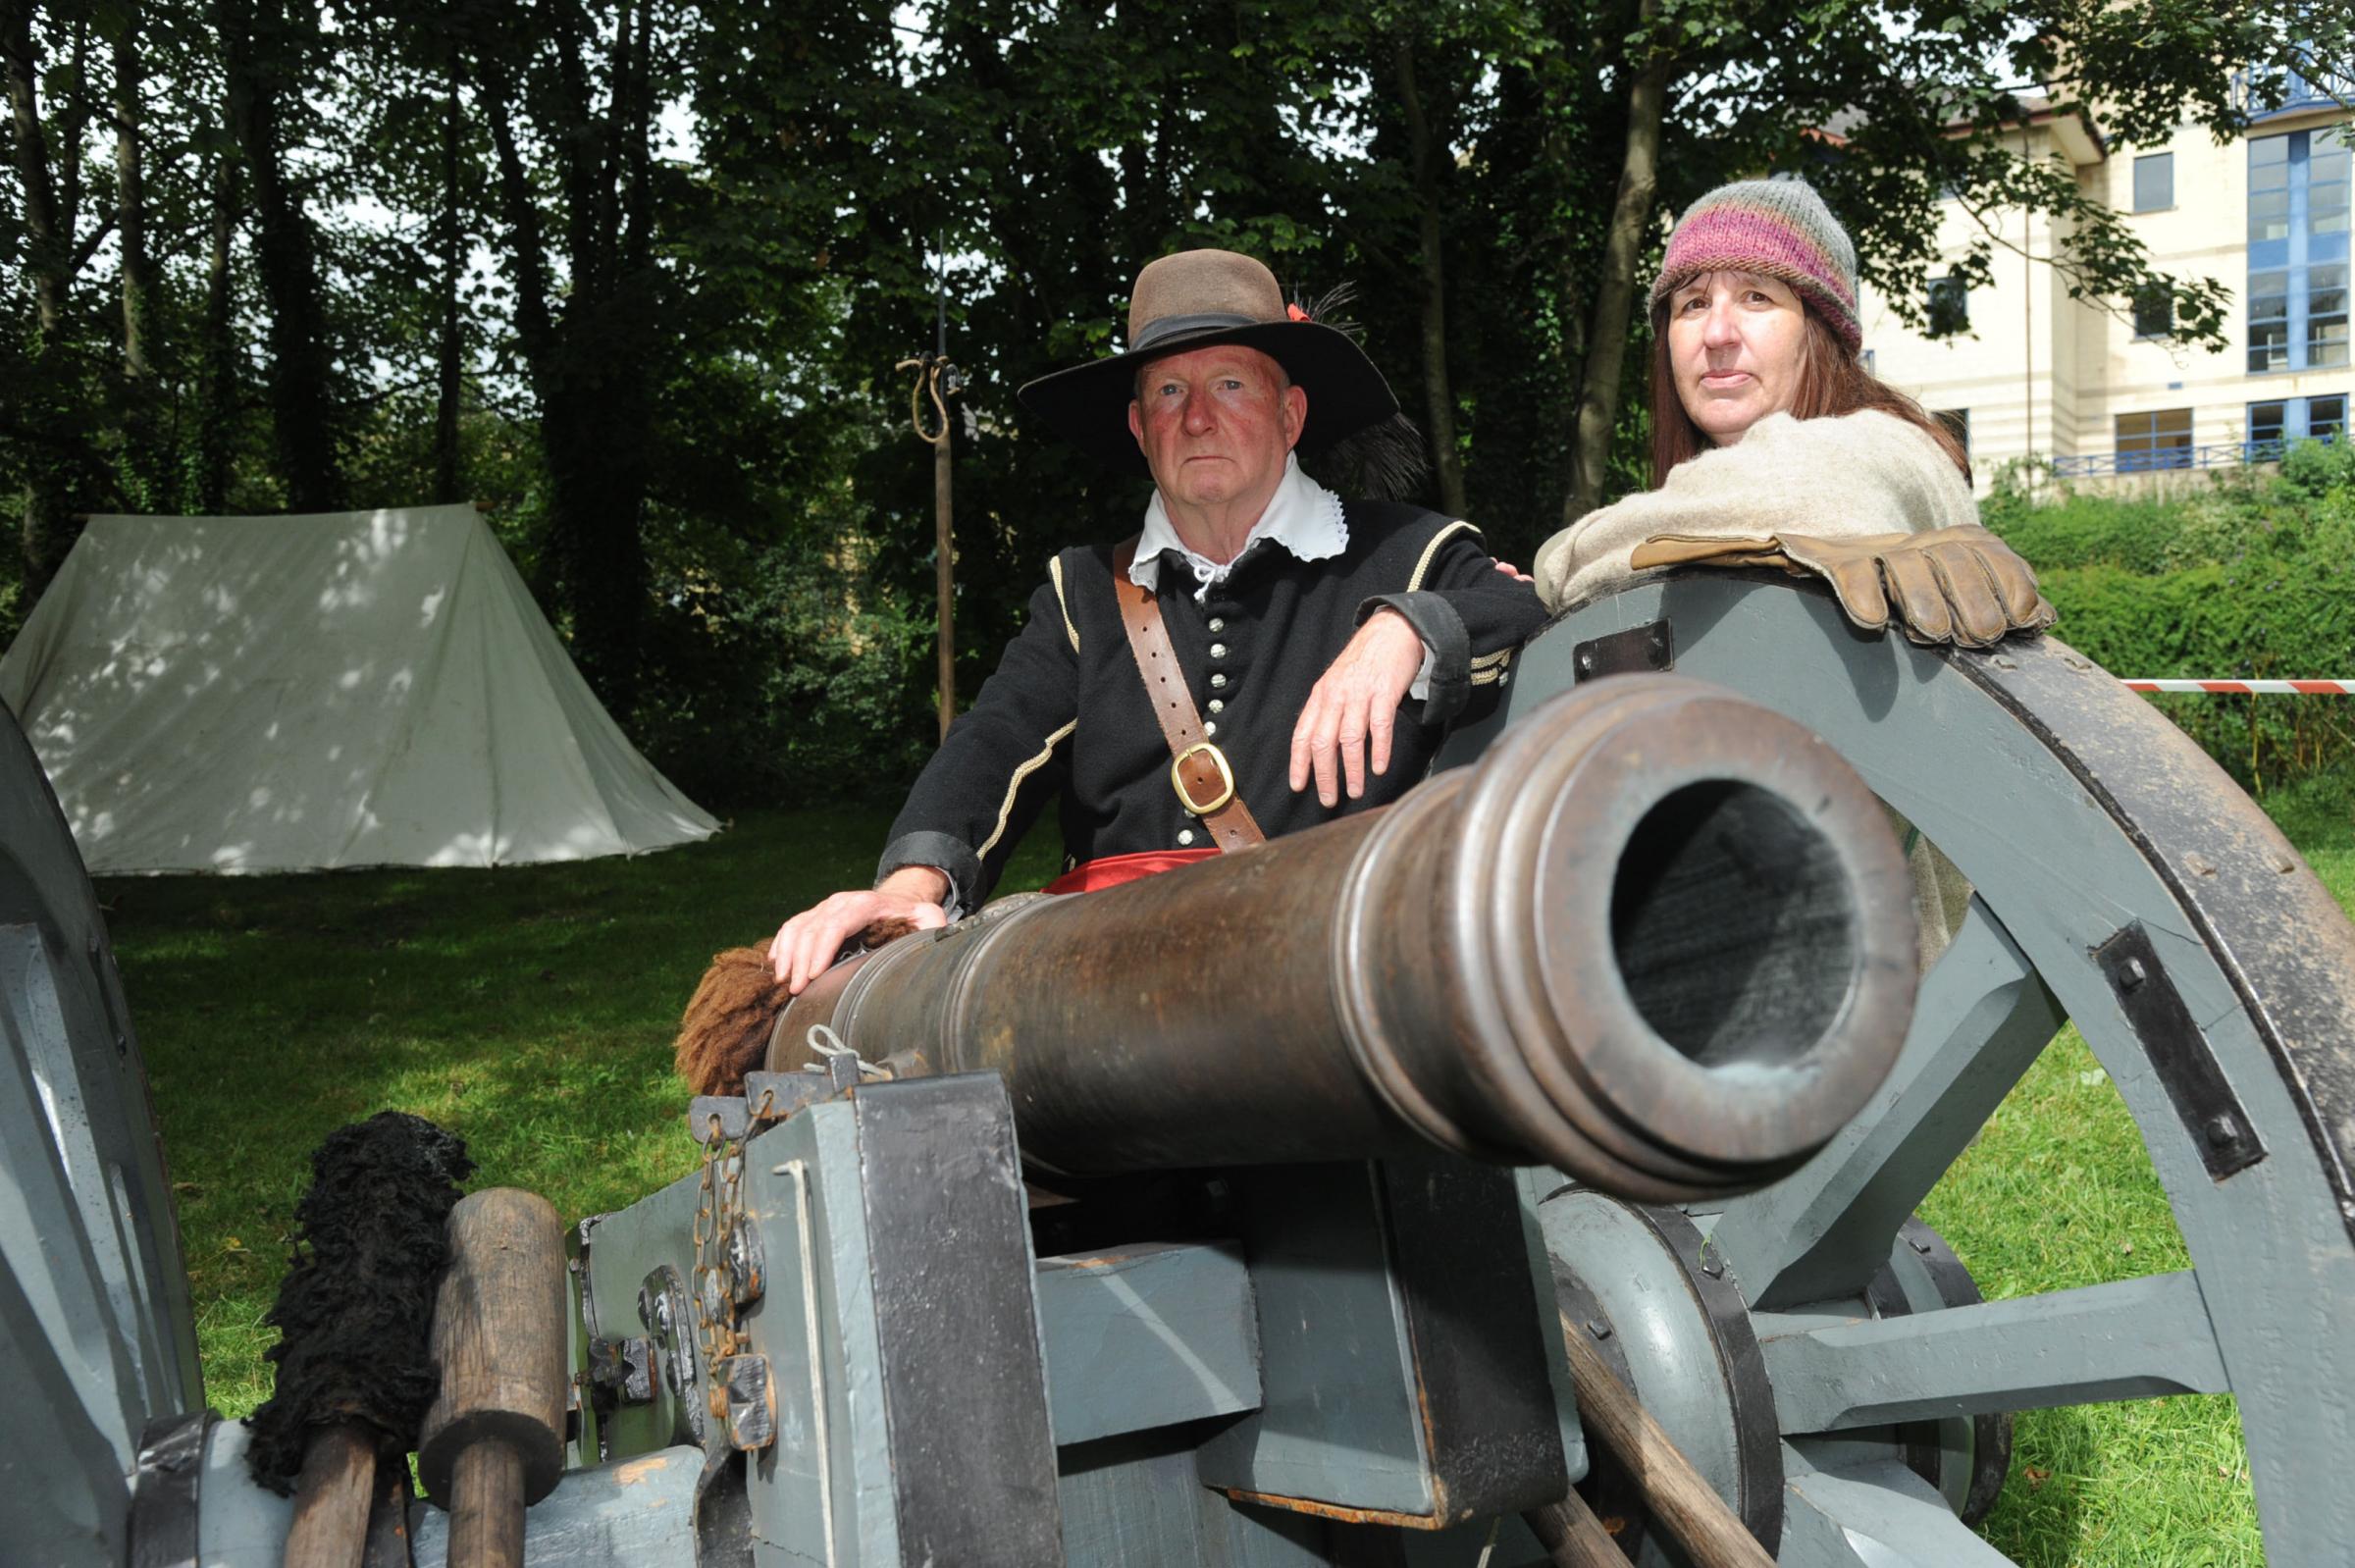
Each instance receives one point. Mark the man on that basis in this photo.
(1183, 691)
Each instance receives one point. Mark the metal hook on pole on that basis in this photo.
(942, 380)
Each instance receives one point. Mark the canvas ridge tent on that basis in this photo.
(280, 694)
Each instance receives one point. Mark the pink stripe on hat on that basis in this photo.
(1778, 227)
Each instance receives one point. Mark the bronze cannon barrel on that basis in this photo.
(1658, 936)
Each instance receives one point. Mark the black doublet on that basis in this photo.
(1065, 712)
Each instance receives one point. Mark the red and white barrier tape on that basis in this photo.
(2303, 688)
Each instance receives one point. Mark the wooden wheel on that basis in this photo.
(2122, 883)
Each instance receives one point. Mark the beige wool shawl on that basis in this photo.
(1861, 473)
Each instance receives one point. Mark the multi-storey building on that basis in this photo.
(2101, 391)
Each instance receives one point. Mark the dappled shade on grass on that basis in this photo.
(529, 1010)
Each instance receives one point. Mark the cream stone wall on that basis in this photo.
(2042, 373)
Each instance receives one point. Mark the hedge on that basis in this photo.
(2254, 578)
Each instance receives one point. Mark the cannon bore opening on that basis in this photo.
(1732, 924)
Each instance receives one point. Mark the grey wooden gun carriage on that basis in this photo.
(877, 1354)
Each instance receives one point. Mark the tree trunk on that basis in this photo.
(450, 380)
(1438, 397)
(300, 383)
(1614, 292)
(148, 461)
(47, 531)
(131, 221)
(216, 433)
(590, 367)
(47, 244)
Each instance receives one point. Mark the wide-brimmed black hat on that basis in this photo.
(1191, 300)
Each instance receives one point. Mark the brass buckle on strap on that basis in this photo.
(1226, 778)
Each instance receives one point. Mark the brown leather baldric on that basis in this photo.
(1198, 770)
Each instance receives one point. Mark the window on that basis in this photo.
(2268, 321)
(2327, 316)
(2266, 422)
(2158, 439)
(2274, 425)
(2269, 188)
(2299, 187)
(1949, 305)
(2155, 312)
(1957, 420)
(2327, 418)
(2155, 182)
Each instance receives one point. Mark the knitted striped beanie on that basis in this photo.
(1777, 228)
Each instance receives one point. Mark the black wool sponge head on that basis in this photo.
(355, 1311)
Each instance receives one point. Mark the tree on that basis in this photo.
(49, 152)
(1922, 96)
(570, 93)
(269, 49)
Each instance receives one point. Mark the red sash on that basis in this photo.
(1111, 871)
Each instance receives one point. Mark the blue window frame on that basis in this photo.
(2299, 188)
(2277, 422)
(2155, 182)
(2159, 439)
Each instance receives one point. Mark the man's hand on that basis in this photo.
(805, 946)
(1354, 708)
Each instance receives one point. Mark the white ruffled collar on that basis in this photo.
(1302, 516)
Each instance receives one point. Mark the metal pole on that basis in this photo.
(2027, 311)
(946, 547)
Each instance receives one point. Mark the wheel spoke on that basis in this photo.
(1982, 1017)
(2128, 1339)
(1874, 1516)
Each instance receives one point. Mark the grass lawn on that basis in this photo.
(531, 1011)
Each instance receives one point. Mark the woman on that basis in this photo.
(1772, 444)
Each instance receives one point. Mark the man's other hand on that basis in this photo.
(1354, 709)
(805, 946)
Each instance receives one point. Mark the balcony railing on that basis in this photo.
(2222, 454)
(2298, 93)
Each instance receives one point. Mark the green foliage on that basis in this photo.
(2251, 579)
(800, 677)
(637, 273)
(2320, 468)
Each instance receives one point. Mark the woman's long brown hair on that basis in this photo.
(1831, 381)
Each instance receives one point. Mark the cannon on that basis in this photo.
(1656, 938)
(865, 1333)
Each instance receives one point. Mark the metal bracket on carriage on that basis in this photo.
(770, 1097)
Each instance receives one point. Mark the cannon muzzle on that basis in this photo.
(1658, 937)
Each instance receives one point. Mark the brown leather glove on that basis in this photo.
(1951, 585)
